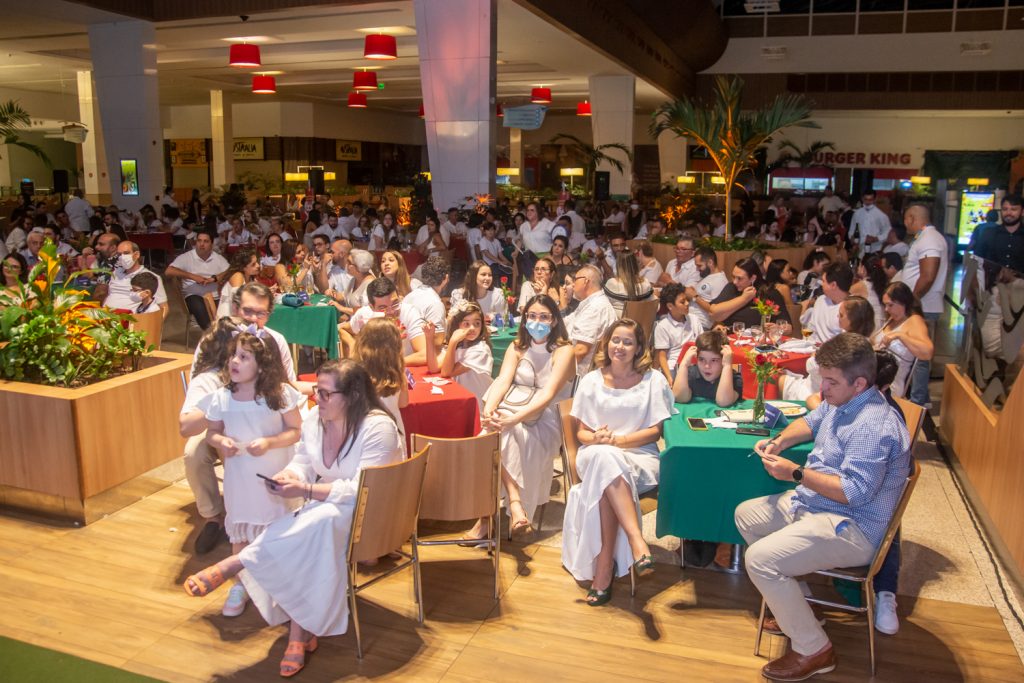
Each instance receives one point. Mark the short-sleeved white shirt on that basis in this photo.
(671, 335)
(537, 239)
(686, 274)
(489, 246)
(928, 243)
(191, 263)
(362, 315)
(823, 319)
(708, 289)
(120, 289)
(652, 272)
(588, 323)
(421, 305)
(200, 388)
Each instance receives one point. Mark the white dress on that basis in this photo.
(249, 506)
(624, 411)
(904, 360)
(492, 303)
(224, 303)
(479, 363)
(528, 450)
(391, 403)
(799, 387)
(297, 569)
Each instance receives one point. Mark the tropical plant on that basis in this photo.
(56, 335)
(592, 156)
(791, 154)
(14, 119)
(731, 136)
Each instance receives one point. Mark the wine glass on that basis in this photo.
(774, 333)
(785, 329)
(737, 329)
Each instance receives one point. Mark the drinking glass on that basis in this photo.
(807, 333)
(737, 329)
(775, 333)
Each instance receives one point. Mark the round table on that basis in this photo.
(315, 324)
(500, 342)
(785, 360)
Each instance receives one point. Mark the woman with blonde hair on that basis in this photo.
(618, 411)
(378, 348)
(392, 266)
(628, 284)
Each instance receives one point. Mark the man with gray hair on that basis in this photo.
(360, 267)
(422, 309)
(587, 324)
(119, 290)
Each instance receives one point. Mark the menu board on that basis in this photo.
(188, 153)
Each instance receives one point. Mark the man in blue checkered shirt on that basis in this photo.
(839, 511)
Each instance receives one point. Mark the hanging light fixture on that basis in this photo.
(244, 55)
(380, 46)
(357, 100)
(422, 114)
(540, 95)
(364, 80)
(264, 85)
(499, 111)
(583, 108)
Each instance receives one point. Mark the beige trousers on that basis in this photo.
(200, 463)
(783, 547)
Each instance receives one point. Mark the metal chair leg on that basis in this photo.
(355, 610)
(760, 629)
(417, 584)
(869, 597)
(496, 536)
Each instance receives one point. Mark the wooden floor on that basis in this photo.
(111, 593)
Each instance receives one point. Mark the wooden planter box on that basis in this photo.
(67, 452)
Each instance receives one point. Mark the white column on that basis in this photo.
(672, 158)
(457, 40)
(515, 152)
(222, 138)
(611, 101)
(94, 157)
(124, 71)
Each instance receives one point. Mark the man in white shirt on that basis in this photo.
(332, 277)
(119, 289)
(347, 222)
(924, 271)
(894, 242)
(683, 269)
(332, 229)
(830, 202)
(454, 225)
(563, 227)
(594, 315)
(870, 224)
(650, 268)
(717, 224)
(579, 226)
(711, 284)
(199, 270)
(616, 219)
(79, 211)
(423, 307)
(822, 318)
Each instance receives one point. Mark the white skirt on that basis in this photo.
(598, 467)
(297, 569)
(528, 454)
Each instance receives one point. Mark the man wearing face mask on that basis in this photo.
(870, 225)
(119, 290)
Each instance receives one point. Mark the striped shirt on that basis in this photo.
(865, 443)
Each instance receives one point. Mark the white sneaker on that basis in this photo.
(235, 604)
(886, 620)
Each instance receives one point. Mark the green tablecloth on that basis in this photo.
(705, 475)
(500, 341)
(308, 326)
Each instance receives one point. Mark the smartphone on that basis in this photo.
(270, 482)
(409, 378)
(696, 424)
(752, 431)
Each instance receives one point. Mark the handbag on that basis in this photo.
(519, 395)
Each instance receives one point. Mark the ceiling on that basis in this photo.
(313, 49)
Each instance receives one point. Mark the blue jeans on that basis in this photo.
(889, 573)
(922, 371)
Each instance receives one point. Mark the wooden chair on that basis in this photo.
(211, 306)
(463, 481)
(151, 325)
(386, 512)
(644, 313)
(794, 318)
(570, 446)
(914, 415)
(174, 291)
(864, 575)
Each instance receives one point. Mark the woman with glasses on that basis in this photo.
(302, 554)
(543, 282)
(15, 271)
(618, 411)
(521, 404)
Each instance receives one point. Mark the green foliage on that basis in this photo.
(592, 156)
(14, 119)
(57, 336)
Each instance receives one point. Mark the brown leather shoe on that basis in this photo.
(769, 625)
(793, 666)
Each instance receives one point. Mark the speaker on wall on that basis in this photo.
(60, 180)
(602, 186)
(316, 180)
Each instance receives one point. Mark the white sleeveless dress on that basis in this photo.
(904, 358)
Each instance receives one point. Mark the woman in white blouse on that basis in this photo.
(619, 409)
(348, 431)
(543, 282)
(479, 283)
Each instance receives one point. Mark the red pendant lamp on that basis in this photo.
(357, 100)
(583, 108)
(499, 111)
(264, 85)
(540, 95)
(380, 46)
(244, 55)
(364, 80)
(422, 114)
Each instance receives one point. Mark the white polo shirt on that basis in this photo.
(671, 335)
(687, 274)
(190, 262)
(421, 305)
(587, 324)
(708, 289)
(823, 319)
(928, 243)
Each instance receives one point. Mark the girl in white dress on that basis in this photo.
(478, 288)
(296, 569)
(253, 422)
(619, 410)
(467, 355)
(522, 405)
(904, 334)
(378, 349)
(245, 266)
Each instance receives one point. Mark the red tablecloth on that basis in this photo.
(160, 241)
(460, 248)
(454, 414)
(795, 362)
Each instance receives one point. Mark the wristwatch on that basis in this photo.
(798, 474)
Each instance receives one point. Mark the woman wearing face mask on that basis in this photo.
(521, 405)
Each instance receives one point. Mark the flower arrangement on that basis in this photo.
(510, 298)
(766, 307)
(764, 371)
(56, 335)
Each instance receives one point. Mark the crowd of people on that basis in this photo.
(872, 323)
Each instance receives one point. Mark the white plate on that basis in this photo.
(789, 409)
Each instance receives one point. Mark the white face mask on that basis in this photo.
(125, 261)
(634, 206)
(136, 297)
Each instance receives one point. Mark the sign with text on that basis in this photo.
(865, 159)
(188, 153)
(248, 148)
(526, 117)
(348, 150)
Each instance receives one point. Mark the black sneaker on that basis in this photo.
(210, 537)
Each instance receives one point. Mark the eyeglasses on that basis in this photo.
(255, 313)
(324, 396)
(579, 277)
(12, 267)
(539, 269)
(539, 317)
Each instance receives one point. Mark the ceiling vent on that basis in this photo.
(774, 53)
(975, 49)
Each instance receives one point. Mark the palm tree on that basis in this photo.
(13, 119)
(731, 136)
(593, 156)
(791, 153)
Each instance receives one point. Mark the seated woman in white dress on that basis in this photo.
(522, 405)
(478, 288)
(904, 334)
(619, 409)
(245, 266)
(296, 569)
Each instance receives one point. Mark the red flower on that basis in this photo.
(761, 359)
(504, 279)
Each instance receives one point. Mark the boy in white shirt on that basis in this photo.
(144, 287)
(674, 330)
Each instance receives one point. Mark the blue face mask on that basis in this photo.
(538, 330)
